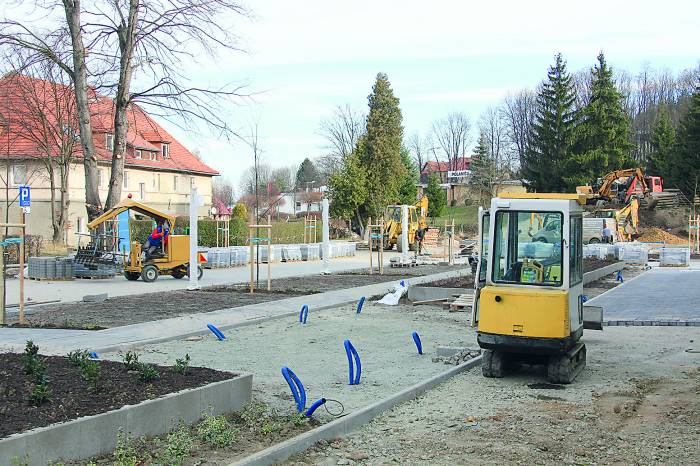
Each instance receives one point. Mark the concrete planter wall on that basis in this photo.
(95, 435)
(426, 293)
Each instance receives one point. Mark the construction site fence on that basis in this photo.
(237, 256)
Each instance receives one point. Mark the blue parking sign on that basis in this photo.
(24, 197)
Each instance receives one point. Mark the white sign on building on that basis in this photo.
(461, 175)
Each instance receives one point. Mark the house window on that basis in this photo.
(19, 175)
(191, 181)
(100, 179)
(137, 153)
(109, 141)
(166, 151)
(126, 179)
(142, 191)
(152, 155)
(298, 205)
(81, 224)
(154, 182)
(175, 183)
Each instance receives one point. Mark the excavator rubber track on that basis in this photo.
(563, 369)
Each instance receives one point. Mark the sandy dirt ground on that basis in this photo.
(315, 352)
(125, 310)
(637, 402)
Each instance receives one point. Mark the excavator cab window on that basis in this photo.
(524, 260)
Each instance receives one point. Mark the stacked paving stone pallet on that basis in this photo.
(674, 257)
(51, 268)
(236, 256)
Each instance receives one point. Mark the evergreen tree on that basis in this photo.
(383, 141)
(437, 197)
(348, 189)
(307, 175)
(550, 142)
(407, 188)
(603, 133)
(663, 136)
(684, 163)
(483, 168)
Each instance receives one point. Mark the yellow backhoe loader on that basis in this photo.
(416, 219)
(173, 257)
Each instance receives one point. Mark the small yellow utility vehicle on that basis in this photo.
(172, 259)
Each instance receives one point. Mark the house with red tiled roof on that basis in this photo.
(443, 169)
(159, 170)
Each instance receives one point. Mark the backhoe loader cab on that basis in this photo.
(174, 256)
(528, 302)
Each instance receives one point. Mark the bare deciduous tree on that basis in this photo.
(127, 38)
(518, 111)
(342, 130)
(452, 134)
(222, 190)
(43, 112)
(419, 147)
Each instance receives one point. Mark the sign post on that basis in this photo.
(195, 202)
(25, 204)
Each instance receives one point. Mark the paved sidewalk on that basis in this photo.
(118, 338)
(659, 294)
(70, 291)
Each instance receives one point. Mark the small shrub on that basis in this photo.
(131, 361)
(126, 453)
(78, 358)
(178, 445)
(269, 427)
(254, 412)
(147, 373)
(181, 365)
(17, 461)
(299, 419)
(91, 373)
(40, 394)
(216, 431)
(30, 358)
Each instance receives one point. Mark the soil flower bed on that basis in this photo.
(74, 393)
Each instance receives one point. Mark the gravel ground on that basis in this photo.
(637, 402)
(381, 335)
(133, 309)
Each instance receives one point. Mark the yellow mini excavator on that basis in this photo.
(416, 219)
(529, 294)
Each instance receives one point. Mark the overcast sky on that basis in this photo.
(304, 58)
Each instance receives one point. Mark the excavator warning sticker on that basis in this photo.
(203, 257)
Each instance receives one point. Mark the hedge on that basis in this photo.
(282, 232)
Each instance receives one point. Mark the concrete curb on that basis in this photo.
(597, 274)
(425, 293)
(94, 435)
(345, 425)
(651, 323)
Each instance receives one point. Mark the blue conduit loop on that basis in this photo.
(296, 387)
(584, 298)
(216, 332)
(315, 406)
(351, 353)
(303, 314)
(416, 339)
(360, 304)
(619, 277)
(93, 355)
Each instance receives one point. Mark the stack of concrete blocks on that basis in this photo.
(310, 252)
(263, 254)
(239, 256)
(674, 257)
(341, 249)
(633, 253)
(218, 258)
(289, 252)
(60, 268)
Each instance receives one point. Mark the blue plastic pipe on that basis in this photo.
(360, 304)
(584, 298)
(216, 332)
(419, 345)
(296, 387)
(93, 355)
(303, 314)
(351, 352)
(315, 406)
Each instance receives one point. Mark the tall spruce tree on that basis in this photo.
(552, 135)
(407, 186)
(663, 137)
(602, 142)
(483, 168)
(381, 156)
(685, 158)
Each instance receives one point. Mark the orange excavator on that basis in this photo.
(620, 186)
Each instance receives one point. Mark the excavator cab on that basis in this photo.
(528, 300)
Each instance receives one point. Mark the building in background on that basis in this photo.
(159, 170)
